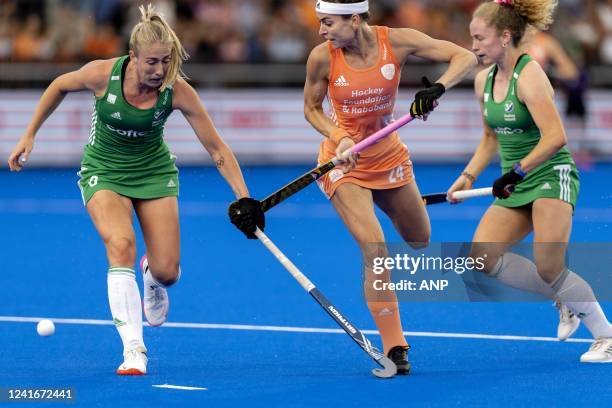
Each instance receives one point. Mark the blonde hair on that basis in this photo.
(517, 15)
(153, 28)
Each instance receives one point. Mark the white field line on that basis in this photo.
(245, 327)
(179, 387)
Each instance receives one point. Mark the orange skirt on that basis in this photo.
(382, 166)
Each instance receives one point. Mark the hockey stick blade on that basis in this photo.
(389, 369)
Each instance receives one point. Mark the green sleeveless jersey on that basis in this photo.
(126, 152)
(517, 135)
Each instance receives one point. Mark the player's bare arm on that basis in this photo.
(487, 148)
(315, 89)
(535, 90)
(485, 151)
(188, 102)
(407, 41)
(92, 76)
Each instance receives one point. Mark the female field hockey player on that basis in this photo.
(539, 186)
(128, 167)
(359, 68)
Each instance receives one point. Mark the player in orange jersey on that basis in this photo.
(359, 68)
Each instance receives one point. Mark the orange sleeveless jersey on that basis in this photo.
(362, 102)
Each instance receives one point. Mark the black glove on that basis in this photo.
(504, 186)
(425, 100)
(246, 214)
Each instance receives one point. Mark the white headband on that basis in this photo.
(342, 8)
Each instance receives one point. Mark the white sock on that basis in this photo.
(520, 273)
(126, 306)
(578, 296)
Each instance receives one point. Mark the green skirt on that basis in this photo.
(560, 181)
(146, 175)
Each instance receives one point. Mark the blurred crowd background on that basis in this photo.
(240, 45)
(258, 31)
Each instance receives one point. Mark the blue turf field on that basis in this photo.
(53, 265)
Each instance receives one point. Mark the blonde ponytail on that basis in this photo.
(538, 13)
(153, 28)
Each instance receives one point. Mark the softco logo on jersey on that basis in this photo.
(508, 131)
(128, 133)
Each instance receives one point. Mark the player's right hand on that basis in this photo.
(462, 183)
(21, 153)
(504, 186)
(350, 161)
(426, 100)
(247, 215)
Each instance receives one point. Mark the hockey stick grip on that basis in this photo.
(376, 136)
(437, 198)
(306, 179)
(477, 192)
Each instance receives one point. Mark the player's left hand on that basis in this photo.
(462, 183)
(246, 214)
(427, 99)
(21, 152)
(504, 186)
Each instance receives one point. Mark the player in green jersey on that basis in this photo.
(128, 167)
(539, 186)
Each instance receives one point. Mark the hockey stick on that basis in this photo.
(389, 369)
(437, 198)
(307, 178)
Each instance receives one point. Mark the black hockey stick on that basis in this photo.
(389, 369)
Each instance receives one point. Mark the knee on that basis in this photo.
(420, 243)
(167, 272)
(169, 281)
(121, 250)
(549, 272)
(487, 259)
(418, 239)
(490, 265)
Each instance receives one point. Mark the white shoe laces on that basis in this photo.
(565, 315)
(133, 354)
(158, 296)
(602, 344)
